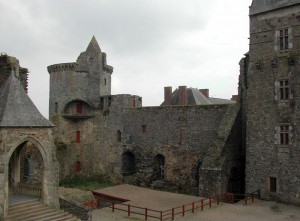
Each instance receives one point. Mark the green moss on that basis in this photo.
(59, 144)
(87, 183)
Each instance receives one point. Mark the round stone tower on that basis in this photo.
(85, 80)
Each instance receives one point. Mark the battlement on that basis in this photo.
(62, 67)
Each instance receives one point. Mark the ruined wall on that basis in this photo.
(7, 63)
(182, 134)
(267, 156)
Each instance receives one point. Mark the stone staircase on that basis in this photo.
(35, 210)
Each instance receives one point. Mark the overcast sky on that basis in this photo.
(150, 43)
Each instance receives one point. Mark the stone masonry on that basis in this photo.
(271, 86)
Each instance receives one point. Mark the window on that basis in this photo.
(144, 129)
(79, 108)
(273, 184)
(104, 81)
(78, 166)
(283, 90)
(56, 107)
(284, 134)
(119, 136)
(284, 39)
(133, 101)
(77, 136)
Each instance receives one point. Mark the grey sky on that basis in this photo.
(150, 43)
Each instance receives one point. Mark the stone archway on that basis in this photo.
(25, 176)
(128, 163)
(12, 151)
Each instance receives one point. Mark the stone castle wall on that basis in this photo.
(266, 157)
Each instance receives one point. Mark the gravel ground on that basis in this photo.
(259, 210)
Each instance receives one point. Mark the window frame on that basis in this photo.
(284, 135)
(283, 39)
(283, 90)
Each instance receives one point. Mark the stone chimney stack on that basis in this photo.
(182, 95)
(205, 92)
(168, 96)
(235, 98)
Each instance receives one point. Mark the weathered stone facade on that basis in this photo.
(165, 146)
(270, 86)
(24, 132)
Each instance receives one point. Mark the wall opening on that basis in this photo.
(128, 163)
(235, 181)
(119, 136)
(26, 171)
(78, 166)
(159, 167)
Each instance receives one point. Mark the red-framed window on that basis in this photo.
(78, 136)
(78, 166)
(79, 108)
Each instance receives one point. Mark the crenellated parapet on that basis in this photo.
(62, 67)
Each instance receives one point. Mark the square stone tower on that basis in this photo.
(272, 85)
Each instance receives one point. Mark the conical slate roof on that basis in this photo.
(259, 6)
(16, 109)
(93, 46)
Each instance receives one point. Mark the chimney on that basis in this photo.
(182, 95)
(168, 96)
(235, 98)
(205, 92)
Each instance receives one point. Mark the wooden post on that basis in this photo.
(146, 213)
(202, 204)
(193, 207)
(209, 202)
(252, 197)
(172, 213)
(160, 215)
(128, 209)
(97, 203)
(225, 197)
(232, 198)
(183, 210)
(113, 206)
(218, 199)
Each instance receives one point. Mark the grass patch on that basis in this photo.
(87, 183)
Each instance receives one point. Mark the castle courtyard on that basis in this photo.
(143, 197)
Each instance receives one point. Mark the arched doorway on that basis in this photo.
(196, 177)
(128, 163)
(159, 167)
(234, 181)
(25, 172)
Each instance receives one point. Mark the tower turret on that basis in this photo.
(86, 80)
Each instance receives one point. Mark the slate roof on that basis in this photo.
(259, 6)
(93, 46)
(196, 97)
(16, 109)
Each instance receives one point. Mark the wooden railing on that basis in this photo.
(233, 197)
(155, 214)
(175, 211)
(28, 189)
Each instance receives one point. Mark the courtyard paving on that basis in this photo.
(158, 200)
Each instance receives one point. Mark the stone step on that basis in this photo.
(35, 210)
